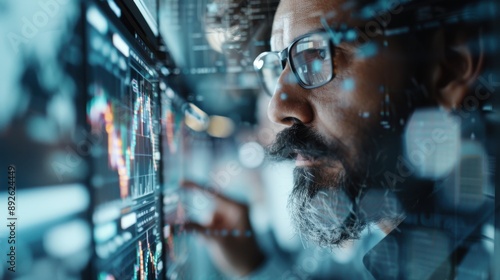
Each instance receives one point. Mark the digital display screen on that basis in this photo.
(202, 37)
(172, 119)
(122, 111)
(148, 9)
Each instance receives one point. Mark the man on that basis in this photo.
(366, 104)
(346, 103)
(339, 131)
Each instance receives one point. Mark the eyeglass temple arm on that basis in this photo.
(283, 58)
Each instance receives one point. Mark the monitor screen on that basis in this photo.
(122, 110)
(148, 9)
(185, 156)
(172, 119)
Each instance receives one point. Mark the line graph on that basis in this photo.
(131, 143)
(123, 111)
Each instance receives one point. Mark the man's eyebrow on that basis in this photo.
(320, 29)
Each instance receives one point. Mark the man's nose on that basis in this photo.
(289, 104)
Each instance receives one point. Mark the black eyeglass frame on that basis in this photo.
(284, 57)
(406, 22)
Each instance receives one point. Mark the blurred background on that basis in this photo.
(107, 106)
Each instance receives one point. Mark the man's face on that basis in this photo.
(340, 134)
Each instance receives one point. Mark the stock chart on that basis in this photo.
(122, 110)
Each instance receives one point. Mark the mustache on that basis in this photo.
(303, 140)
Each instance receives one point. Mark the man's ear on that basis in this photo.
(460, 61)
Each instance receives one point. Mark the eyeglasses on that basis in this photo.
(310, 58)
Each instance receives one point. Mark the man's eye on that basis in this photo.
(315, 54)
(321, 54)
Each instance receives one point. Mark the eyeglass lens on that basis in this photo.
(311, 62)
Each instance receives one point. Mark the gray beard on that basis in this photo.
(332, 213)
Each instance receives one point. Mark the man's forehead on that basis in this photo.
(297, 17)
(290, 25)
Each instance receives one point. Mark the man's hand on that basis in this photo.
(229, 235)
